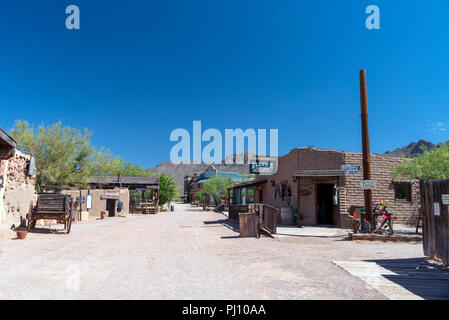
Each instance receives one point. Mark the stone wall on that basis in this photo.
(18, 191)
(381, 168)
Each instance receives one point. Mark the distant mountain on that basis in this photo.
(414, 149)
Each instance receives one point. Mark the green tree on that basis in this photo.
(430, 165)
(130, 169)
(215, 187)
(168, 190)
(64, 155)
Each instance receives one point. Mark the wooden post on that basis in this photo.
(365, 146)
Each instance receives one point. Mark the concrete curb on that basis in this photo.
(384, 238)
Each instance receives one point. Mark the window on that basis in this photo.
(250, 195)
(403, 191)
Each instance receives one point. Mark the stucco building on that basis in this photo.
(312, 182)
(17, 184)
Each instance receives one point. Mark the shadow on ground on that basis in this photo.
(47, 231)
(225, 222)
(419, 276)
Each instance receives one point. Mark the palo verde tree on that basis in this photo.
(430, 165)
(168, 189)
(127, 168)
(64, 155)
(215, 188)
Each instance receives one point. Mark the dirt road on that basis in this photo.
(188, 254)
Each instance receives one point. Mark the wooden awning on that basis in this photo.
(319, 173)
(248, 184)
(130, 182)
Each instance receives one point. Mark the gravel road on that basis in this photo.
(188, 254)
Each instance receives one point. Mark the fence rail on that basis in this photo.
(435, 218)
(267, 214)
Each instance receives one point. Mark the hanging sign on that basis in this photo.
(445, 199)
(436, 208)
(80, 200)
(262, 167)
(89, 201)
(368, 185)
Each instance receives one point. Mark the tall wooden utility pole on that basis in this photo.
(365, 146)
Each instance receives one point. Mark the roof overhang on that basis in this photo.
(318, 173)
(7, 145)
(130, 182)
(248, 184)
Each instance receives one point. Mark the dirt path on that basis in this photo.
(189, 254)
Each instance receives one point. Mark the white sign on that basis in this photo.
(368, 185)
(436, 208)
(350, 169)
(445, 198)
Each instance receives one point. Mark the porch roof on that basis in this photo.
(248, 184)
(131, 182)
(319, 173)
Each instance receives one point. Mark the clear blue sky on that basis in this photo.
(136, 70)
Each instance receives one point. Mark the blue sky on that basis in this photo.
(136, 70)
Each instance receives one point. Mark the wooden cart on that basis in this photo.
(52, 206)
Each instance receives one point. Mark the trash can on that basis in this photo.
(172, 208)
(248, 225)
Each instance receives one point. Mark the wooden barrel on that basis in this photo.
(287, 215)
(248, 225)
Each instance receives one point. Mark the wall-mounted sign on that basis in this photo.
(31, 167)
(262, 167)
(89, 201)
(368, 185)
(436, 208)
(305, 191)
(445, 199)
(153, 187)
(350, 169)
(110, 197)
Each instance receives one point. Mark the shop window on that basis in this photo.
(250, 193)
(403, 191)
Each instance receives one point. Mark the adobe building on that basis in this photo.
(95, 201)
(312, 182)
(105, 192)
(17, 184)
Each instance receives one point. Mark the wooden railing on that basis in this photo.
(267, 214)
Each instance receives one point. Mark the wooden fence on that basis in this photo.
(435, 218)
(266, 213)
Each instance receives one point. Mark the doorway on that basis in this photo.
(325, 204)
(110, 207)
